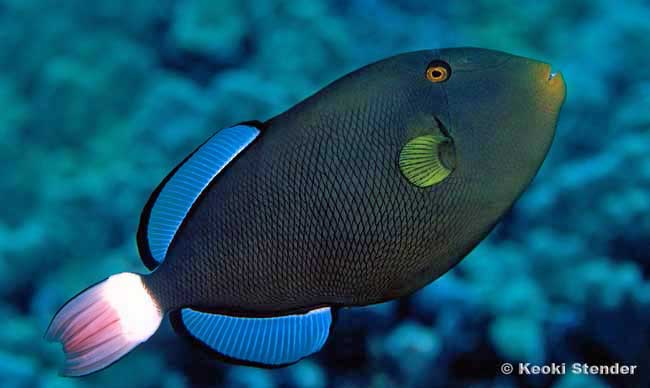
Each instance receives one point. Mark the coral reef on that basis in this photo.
(100, 99)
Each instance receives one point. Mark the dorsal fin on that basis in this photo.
(172, 200)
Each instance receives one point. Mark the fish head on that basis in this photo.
(471, 123)
(499, 112)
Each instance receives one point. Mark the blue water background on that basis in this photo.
(98, 100)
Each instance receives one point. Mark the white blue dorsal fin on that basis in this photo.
(271, 342)
(173, 199)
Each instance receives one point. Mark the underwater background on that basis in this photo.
(99, 100)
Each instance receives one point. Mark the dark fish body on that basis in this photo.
(316, 212)
(364, 192)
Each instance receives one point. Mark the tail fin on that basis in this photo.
(103, 323)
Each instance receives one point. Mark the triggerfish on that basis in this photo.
(364, 192)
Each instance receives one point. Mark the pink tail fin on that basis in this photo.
(104, 323)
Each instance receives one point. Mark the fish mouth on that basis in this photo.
(553, 79)
(552, 82)
(552, 73)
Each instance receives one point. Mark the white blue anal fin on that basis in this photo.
(269, 342)
(172, 200)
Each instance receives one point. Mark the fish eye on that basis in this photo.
(438, 71)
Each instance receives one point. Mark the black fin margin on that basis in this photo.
(179, 327)
(141, 235)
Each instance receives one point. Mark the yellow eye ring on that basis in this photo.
(437, 73)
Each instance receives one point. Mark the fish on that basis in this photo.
(364, 192)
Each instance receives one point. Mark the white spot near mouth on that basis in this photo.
(552, 75)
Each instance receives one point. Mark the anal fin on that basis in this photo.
(268, 342)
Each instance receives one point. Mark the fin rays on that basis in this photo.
(273, 341)
(421, 160)
(185, 185)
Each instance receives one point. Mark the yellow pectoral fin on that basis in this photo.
(427, 160)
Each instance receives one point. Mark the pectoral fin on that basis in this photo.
(427, 160)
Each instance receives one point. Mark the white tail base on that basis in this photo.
(138, 313)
